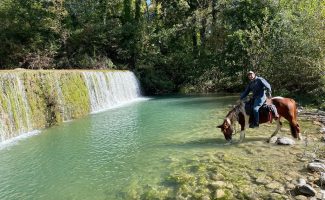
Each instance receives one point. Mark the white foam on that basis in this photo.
(15, 140)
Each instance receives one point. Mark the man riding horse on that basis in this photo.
(261, 90)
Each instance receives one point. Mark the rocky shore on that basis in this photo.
(255, 169)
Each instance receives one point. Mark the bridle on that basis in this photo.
(235, 117)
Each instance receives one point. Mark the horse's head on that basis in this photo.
(226, 129)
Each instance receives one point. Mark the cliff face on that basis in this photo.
(32, 100)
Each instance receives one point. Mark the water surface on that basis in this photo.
(105, 155)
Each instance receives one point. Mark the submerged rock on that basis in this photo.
(219, 194)
(218, 184)
(285, 141)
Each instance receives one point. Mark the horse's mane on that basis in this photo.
(233, 115)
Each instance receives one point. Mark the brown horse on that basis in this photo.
(286, 108)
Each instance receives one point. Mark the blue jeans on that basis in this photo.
(258, 102)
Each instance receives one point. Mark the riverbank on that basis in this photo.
(253, 169)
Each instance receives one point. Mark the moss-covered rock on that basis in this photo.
(31, 99)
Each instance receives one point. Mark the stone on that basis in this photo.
(273, 185)
(301, 197)
(275, 196)
(316, 166)
(322, 179)
(290, 186)
(262, 180)
(273, 140)
(219, 194)
(322, 194)
(306, 190)
(280, 190)
(285, 141)
(218, 184)
(205, 198)
(217, 177)
(322, 130)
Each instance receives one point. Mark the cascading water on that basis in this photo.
(32, 100)
(108, 90)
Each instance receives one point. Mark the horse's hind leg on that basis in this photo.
(295, 130)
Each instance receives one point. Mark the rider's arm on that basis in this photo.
(245, 93)
(267, 86)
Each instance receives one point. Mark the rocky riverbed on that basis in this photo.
(254, 169)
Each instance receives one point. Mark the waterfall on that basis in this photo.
(108, 90)
(31, 100)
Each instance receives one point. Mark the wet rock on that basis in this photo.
(273, 140)
(305, 189)
(285, 141)
(219, 194)
(316, 166)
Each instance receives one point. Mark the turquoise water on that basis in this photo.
(105, 155)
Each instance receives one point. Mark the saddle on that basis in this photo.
(266, 110)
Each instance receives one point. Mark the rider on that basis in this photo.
(257, 85)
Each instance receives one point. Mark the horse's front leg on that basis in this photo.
(278, 127)
(242, 133)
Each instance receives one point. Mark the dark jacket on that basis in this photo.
(258, 87)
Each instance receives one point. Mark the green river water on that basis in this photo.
(146, 150)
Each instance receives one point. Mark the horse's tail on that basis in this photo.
(295, 117)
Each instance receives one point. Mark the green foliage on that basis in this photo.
(177, 45)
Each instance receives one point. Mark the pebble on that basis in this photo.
(290, 186)
(219, 194)
(301, 197)
(218, 184)
(205, 198)
(273, 185)
(262, 180)
(273, 140)
(217, 177)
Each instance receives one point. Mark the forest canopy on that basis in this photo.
(175, 45)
